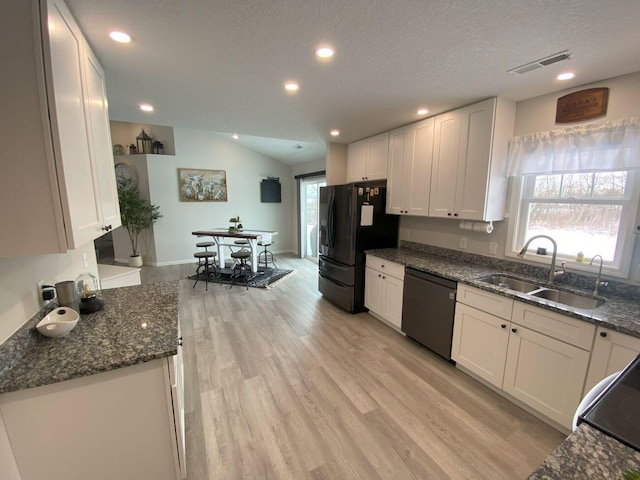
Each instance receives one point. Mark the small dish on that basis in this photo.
(58, 323)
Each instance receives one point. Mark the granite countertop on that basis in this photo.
(617, 313)
(136, 325)
(588, 454)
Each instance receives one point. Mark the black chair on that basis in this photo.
(268, 255)
(241, 269)
(207, 261)
(205, 245)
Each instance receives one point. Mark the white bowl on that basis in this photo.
(58, 323)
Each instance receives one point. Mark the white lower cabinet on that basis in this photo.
(544, 373)
(480, 343)
(612, 351)
(384, 284)
(126, 423)
(537, 356)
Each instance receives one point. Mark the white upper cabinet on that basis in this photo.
(367, 159)
(58, 182)
(444, 173)
(468, 178)
(409, 172)
(101, 150)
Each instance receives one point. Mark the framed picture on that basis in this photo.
(196, 185)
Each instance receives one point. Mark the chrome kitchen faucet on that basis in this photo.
(552, 272)
(598, 282)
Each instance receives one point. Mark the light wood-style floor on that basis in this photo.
(281, 384)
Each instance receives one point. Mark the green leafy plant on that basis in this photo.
(137, 214)
(631, 475)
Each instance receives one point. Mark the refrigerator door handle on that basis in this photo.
(331, 223)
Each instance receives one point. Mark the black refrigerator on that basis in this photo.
(352, 220)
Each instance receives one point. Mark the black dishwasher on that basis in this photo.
(428, 306)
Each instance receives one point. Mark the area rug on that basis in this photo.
(266, 279)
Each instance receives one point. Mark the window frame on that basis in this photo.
(521, 194)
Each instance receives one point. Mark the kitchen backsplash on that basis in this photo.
(571, 279)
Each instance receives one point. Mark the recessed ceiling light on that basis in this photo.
(145, 107)
(422, 111)
(335, 133)
(566, 76)
(235, 136)
(291, 87)
(324, 52)
(120, 37)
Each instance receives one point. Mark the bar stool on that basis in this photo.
(241, 268)
(205, 245)
(242, 243)
(203, 261)
(266, 252)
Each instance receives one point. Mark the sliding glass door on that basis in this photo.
(309, 200)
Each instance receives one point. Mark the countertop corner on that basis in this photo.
(137, 324)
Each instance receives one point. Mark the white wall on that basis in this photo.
(533, 115)
(18, 278)
(245, 169)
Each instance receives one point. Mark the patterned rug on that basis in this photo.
(260, 279)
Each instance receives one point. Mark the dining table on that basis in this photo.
(223, 237)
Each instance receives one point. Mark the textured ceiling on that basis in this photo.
(220, 65)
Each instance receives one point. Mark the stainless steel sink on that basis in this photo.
(568, 298)
(510, 283)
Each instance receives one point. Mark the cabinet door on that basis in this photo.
(176, 376)
(480, 343)
(69, 127)
(112, 425)
(392, 295)
(356, 161)
(612, 351)
(396, 175)
(546, 374)
(445, 164)
(373, 290)
(418, 176)
(377, 157)
(98, 115)
(476, 134)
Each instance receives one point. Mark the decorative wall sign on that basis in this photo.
(582, 105)
(196, 185)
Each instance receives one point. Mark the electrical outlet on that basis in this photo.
(463, 243)
(39, 286)
(85, 261)
(493, 248)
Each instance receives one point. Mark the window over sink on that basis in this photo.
(580, 186)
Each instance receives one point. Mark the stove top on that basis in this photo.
(617, 411)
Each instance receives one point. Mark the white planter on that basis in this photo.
(135, 261)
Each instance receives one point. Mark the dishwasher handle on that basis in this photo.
(409, 271)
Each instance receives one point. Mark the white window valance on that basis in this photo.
(594, 147)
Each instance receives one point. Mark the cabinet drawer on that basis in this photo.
(385, 266)
(560, 327)
(487, 302)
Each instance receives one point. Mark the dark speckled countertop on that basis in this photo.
(588, 454)
(136, 325)
(617, 313)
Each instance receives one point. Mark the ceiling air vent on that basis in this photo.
(543, 62)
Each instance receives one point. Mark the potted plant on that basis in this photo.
(137, 214)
